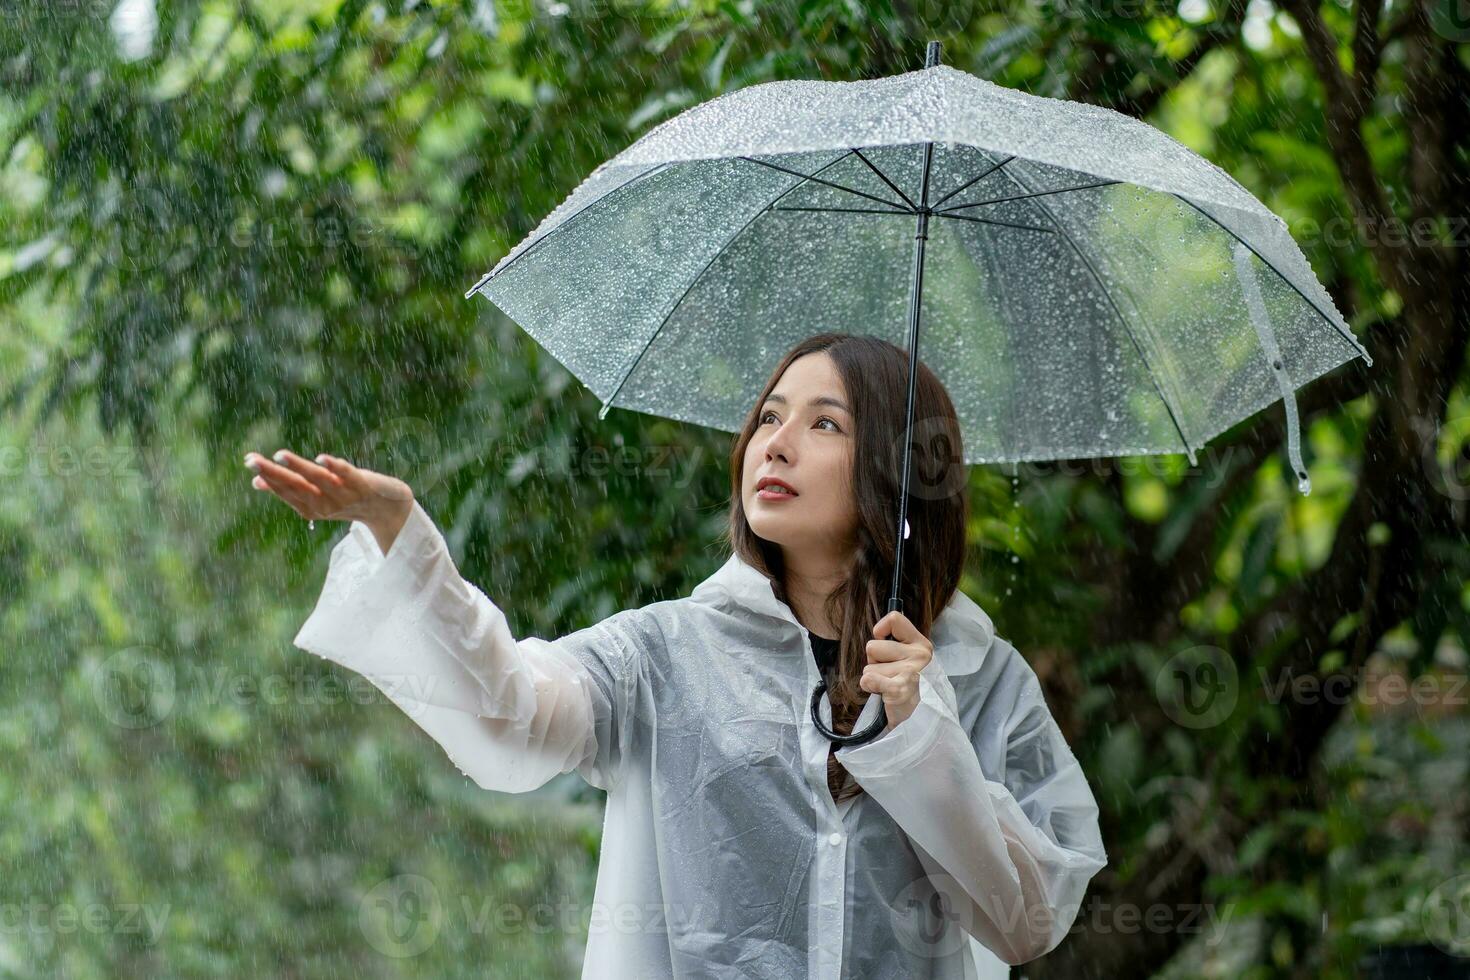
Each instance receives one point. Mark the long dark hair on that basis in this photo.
(875, 375)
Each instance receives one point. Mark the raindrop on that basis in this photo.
(310, 525)
(1015, 521)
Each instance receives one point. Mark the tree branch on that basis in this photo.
(1344, 113)
(1321, 47)
(1367, 50)
(1426, 110)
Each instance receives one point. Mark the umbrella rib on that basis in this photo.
(566, 221)
(798, 173)
(992, 221)
(993, 168)
(1367, 359)
(1117, 311)
(804, 179)
(602, 412)
(845, 210)
(884, 177)
(1022, 197)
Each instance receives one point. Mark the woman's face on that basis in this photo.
(804, 437)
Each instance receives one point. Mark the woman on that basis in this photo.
(739, 841)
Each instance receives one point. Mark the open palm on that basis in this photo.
(331, 488)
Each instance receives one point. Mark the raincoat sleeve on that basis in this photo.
(1012, 851)
(511, 714)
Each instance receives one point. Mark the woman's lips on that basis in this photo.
(770, 494)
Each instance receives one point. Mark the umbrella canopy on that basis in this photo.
(1092, 287)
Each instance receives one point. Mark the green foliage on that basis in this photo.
(258, 232)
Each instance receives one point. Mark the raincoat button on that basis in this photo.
(835, 839)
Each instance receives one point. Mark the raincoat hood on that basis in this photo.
(962, 634)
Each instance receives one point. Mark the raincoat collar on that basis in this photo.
(962, 633)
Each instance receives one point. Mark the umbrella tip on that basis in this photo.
(476, 287)
(931, 55)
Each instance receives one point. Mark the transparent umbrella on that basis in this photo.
(1087, 285)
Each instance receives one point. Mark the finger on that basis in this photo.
(319, 476)
(274, 472)
(317, 471)
(283, 476)
(888, 651)
(257, 481)
(877, 682)
(340, 468)
(898, 626)
(263, 485)
(305, 505)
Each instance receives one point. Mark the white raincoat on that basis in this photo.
(723, 854)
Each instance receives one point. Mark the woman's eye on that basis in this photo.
(835, 426)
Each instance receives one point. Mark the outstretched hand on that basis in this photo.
(332, 489)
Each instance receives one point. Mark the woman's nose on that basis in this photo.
(779, 444)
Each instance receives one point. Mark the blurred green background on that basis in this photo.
(232, 226)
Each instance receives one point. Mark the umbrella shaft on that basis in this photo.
(921, 236)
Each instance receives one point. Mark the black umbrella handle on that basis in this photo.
(856, 738)
(867, 734)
